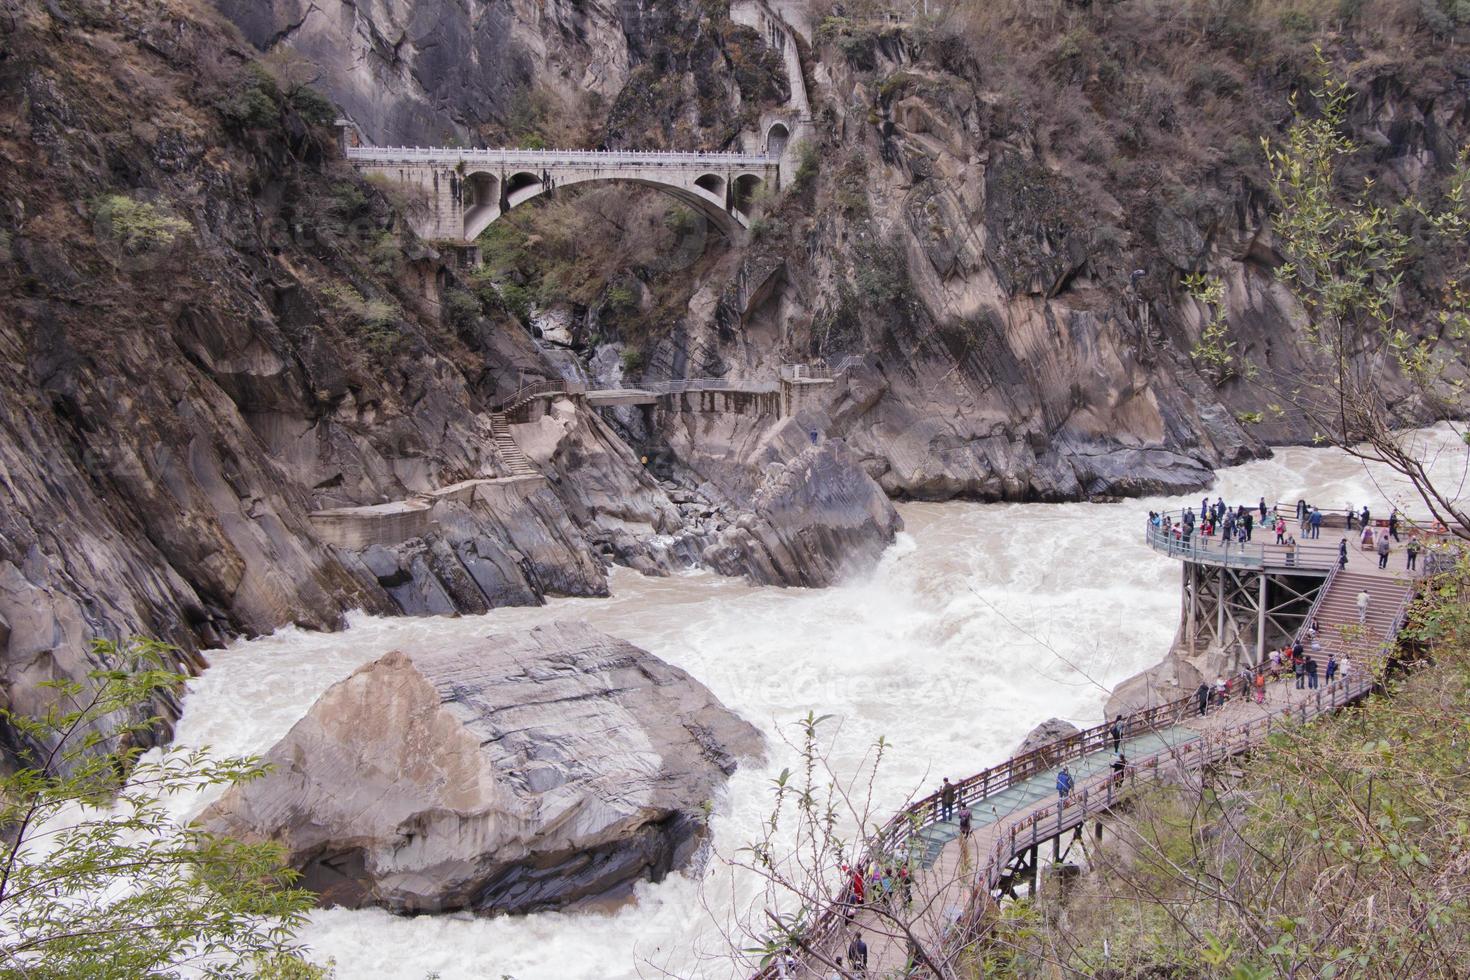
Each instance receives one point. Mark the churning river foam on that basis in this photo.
(979, 623)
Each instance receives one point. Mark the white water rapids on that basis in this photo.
(982, 621)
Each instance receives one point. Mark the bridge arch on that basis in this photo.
(481, 190)
(776, 139)
(713, 183)
(706, 194)
(520, 187)
(743, 190)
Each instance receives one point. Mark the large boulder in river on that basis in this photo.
(514, 773)
(815, 517)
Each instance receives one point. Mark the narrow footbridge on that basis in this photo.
(1015, 807)
(460, 192)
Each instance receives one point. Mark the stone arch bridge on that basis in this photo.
(464, 190)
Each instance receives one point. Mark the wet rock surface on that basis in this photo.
(521, 772)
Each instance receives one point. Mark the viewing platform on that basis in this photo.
(1242, 599)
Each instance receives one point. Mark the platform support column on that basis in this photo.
(1261, 621)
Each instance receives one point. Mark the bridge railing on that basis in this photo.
(536, 159)
(1217, 550)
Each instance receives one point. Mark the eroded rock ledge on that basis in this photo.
(515, 773)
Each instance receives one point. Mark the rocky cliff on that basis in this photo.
(995, 209)
(240, 394)
(517, 773)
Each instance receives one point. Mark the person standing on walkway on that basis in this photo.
(1383, 551)
(1393, 524)
(1342, 553)
(1367, 518)
(857, 955)
(946, 799)
(1299, 670)
(1301, 512)
(1411, 553)
(965, 817)
(1363, 600)
(1312, 673)
(838, 973)
(1260, 684)
(1345, 668)
(1064, 784)
(1281, 530)
(1316, 523)
(1350, 513)
(1221, 689)
(1202, 694)
(1331, 667)
(1263, 510)
(1119, 767)
(1117, 732)
(1248, 521)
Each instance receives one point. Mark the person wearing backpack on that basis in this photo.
(1064, 784)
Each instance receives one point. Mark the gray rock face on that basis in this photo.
(521, 772)
(1045, 733)
(451, 66)
(814, 517)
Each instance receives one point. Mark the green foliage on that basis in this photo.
(373, 321)
(1347, 258)
(1215, 354)
(632, 360)
(881, 277)
(619, 298)
(809, 164)
(254, 101)
(461, 307)
(313, 107)
(138, 226)
(97, 879)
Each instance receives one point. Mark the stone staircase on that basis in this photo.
(516, 460)
(1339, 609)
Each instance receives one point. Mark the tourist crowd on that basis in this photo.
(1220, 524)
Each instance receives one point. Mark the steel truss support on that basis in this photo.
(1243, 612)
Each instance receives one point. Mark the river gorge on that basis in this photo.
(978, 624)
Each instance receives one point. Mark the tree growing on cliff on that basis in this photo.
(1347, 258)
(97, 877)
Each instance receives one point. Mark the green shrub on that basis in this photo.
(516, 300)
(313, 107)
(254, 101)
(373, 321)
(632, 360)
(137, 225)
(385, 254)
(809, 163)
(461, 307)
(620, 298)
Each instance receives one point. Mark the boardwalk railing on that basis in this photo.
(898, 832)
(1098, 793)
